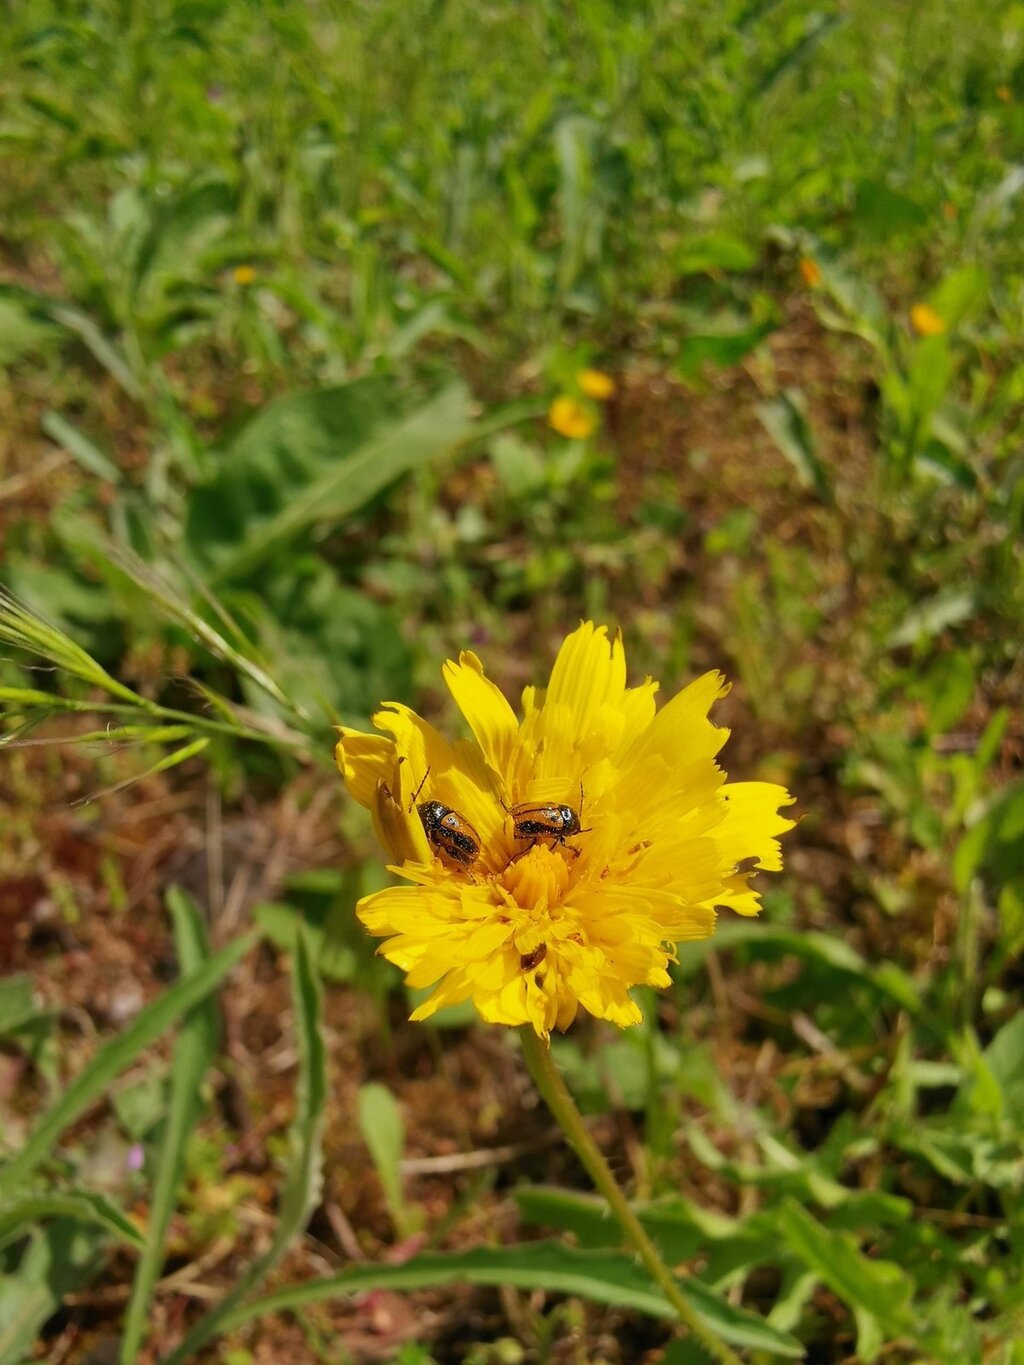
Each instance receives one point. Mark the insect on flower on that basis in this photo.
(448, 832)
(538, 820)
(669, 843)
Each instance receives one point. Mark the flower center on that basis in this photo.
(538, 880)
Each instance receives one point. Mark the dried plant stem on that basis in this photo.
(553, 1089)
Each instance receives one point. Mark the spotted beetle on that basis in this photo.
(538, 820)
(448, 832)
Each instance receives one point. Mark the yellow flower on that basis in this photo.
(571, 418)
(644, 838)
(243, 274)
(925, 321)
(596, 384)
(810, 272)
(1004, 93)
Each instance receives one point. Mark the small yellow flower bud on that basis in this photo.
(596, 384)
(925, 321)
(570, 418)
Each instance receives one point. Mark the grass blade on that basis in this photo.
(302, 1188)
(607, 1277)
(193, 1056)
(115, 1056)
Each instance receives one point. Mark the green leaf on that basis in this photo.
(785, 420)
(17, 1004)
(947, 608)
(995, 842)
(600, 1276)
(314, 457)
(117, 1055)
(305, 1176)
(21, 333)
(881, 212)
(80, 447)
(60, 1258)
(1005, 1058)
(724, 344)
(80, 1206)
(380, 1122)
(716, 252)
(336, 651)
(767, 940)
(194, 1054)
(879, 1292)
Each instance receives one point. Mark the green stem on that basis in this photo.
(553, 1089)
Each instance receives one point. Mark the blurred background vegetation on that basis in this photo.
(297, 310)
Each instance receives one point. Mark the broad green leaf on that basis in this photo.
(720, 344)
(336, 651)
(194, 1054)
(600, 1276)
(715, 252)
(785, 420)
(1005, 1058)
(79, 1206)
(117, 1055)
(304, 1178)
(878, 1292)
(61, 1257)
(881, 211)
(380, 1122)
(314, 457)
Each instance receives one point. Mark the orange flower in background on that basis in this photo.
(810, 272)
(925, 321)
(596, 384)
(1004, 93)
(243, 275)
(571, 418)
(553, 862)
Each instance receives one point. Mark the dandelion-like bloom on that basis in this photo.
(244, 275)
(571, 418)
(925, 321)
(553, 862)
(810, 272)
(596, 384)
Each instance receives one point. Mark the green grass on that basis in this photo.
(285, 293)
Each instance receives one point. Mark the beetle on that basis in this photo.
(539, 820)
(448, 832)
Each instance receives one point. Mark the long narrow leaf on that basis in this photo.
(600, 1276)
(117, 1055)
(304, 1180)
(82, 1206)
(193, 1056)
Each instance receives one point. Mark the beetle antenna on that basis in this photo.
(412, 799)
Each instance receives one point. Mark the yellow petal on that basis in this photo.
(487, 713)
(364, 760)
(681, 731)
(752, 824)
(396, 823)
(589, 672)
